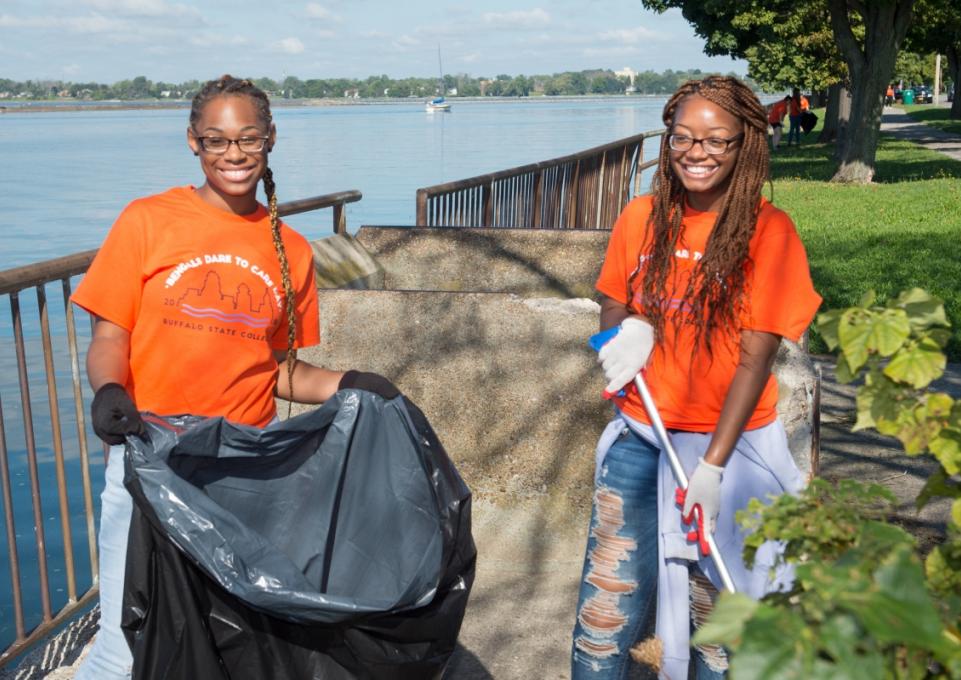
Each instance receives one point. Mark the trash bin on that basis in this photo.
(333, 545)
(908, 97)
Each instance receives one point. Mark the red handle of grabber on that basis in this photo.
(680, 476)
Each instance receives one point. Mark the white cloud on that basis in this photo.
(375, 35)
(206, 39)
(533, 18)
(317, 11)
(629, 36)
(71, 69)
(93, 23)
(406, 41)
(146, 8)
(290, 46)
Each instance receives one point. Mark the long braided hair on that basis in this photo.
(714, 294)
(228, 86)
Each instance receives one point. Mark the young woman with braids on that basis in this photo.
(703, 277)
(200, 296)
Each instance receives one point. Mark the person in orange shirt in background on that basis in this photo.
(201, 296)
(889, 96)
(775, 116)
(703, 277)
(798, 104)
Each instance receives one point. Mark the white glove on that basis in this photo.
(626, 353)
(704, 488)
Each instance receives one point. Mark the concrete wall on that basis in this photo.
(529, 262)
(507, 379)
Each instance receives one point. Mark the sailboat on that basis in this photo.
(438, 103)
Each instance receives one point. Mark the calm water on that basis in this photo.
(66, 176)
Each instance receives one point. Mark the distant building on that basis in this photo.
(626, 72)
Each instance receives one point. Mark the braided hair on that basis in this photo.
(228, 86)
(714, 294)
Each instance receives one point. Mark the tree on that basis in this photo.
(938, 29)
(868, 34)
(870, 64)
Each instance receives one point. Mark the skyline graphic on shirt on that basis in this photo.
(210, 302)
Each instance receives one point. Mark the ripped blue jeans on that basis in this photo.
(617, 603)
(618, 595)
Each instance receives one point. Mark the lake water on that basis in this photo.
(67, 175)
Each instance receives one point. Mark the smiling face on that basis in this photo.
(706, 177)
(233, 175)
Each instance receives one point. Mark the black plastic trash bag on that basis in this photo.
(808, 120)
(332, 545)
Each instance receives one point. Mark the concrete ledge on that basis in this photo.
(340, 261)
(529, 262)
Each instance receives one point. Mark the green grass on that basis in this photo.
(939, 118)
(903, 231)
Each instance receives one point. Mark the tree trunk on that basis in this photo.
(954, 67)
(832, 113)
(870, 69)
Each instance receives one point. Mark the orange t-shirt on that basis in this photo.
(200, 291)
(777, 112)
(798, 106)
(690, 389)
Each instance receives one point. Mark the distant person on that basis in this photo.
(798, 104)
(703, 277)
(889, 96)
(775, 116)
(201, 297)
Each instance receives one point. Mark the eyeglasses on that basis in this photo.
(714, 146)
(219, 145)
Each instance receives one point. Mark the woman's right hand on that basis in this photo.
(626, 353)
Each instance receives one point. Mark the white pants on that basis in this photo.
(109, 657)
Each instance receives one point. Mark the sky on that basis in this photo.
(168, 40)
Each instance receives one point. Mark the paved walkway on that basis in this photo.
(896, 122)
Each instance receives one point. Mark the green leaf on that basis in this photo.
(900, 610)
(946, 447)
(867, 299)
(939, 485)
(853, 331)
(843, 372)
(956, 512)
(827, 325)
(772, 646)
(917, 364)
(923, 309)
(724, 627)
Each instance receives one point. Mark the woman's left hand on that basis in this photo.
(704, 489)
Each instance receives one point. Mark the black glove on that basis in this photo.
(372, 382)
(114, 414)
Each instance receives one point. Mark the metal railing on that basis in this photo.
(14, 283)
(585, 190)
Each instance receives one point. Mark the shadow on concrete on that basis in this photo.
(466, 666)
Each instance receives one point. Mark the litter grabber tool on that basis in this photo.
(708, 546)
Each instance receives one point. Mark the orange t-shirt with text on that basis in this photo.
(201, 293)
(689, 389)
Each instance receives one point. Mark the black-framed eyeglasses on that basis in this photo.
(219, 145)
(714, 146)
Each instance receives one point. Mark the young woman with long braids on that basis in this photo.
(199, 295)
(703, 277)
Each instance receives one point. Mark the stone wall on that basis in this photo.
(506, 377)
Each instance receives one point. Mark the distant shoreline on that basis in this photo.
(41, 106)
